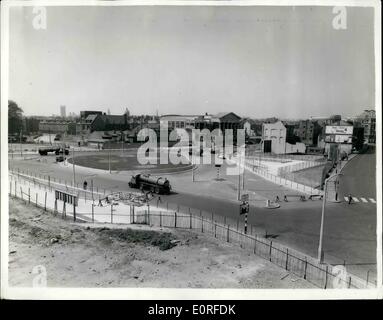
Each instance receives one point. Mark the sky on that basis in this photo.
(287, 62)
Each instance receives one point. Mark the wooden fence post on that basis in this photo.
(304, 276)
(29, 195)
(325, 281)
(190, 216)
(92, 212)
(175, 219)
(215, 230)
(287, 257)
(202, 224)
(271, 245)
(227, 236)
(36, 199)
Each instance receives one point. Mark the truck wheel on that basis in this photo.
(157, 190)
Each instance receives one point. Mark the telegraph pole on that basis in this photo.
(239, 177)
(74, 171)
(109, 160)
(21, 137)
(320, 248)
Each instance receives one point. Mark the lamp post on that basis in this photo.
(320, 248)
(74, 171)
(109, 160)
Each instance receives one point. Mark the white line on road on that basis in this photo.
(345, 198)
(355, 199)
(372, 200)
(363, 199)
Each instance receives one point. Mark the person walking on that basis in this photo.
(349, 198)
(277, 199)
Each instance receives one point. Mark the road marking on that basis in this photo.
(363, 199)
(355, 199)
(372, 200)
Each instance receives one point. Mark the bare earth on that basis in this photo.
(105, 255)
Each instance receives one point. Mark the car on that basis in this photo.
(60, 159)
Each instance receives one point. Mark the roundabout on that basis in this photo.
(127, 161)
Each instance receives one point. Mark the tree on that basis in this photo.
(15, 117)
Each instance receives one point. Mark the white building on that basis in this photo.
(274, 137)
(63, 111)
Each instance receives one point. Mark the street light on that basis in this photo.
(74, 172)
(320, 248)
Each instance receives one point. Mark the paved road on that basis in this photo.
(359, 177)
(349, 229)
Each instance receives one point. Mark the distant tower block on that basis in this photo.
(127, 112)
(63, 111)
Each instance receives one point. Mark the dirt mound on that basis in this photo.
(162, 240)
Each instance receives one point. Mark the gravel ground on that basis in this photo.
(104, 255)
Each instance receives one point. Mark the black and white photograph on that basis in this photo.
(191, 147)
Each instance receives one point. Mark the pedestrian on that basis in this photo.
(276, 199)
(85, 185)
(285, 198)
(349, 198)
(99, 203)
(159, 199)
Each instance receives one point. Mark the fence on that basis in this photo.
(322, 275)
(222, 228)
(280, 180)
(51, 182)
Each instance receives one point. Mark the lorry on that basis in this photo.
(154, 184)
(56, 150)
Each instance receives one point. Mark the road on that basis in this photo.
(349, 233)
(359, 177)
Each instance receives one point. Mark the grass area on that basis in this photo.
(310, 177)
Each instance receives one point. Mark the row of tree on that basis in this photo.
(15, 118)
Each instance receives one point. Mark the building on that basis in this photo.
(63, 111)
(97, 121)
(176, 121)
(277, 140)
(338, 139)
(222, 121)
(54, 126)
(85, 114)
(367, 120)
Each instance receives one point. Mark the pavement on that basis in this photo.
(349, 232)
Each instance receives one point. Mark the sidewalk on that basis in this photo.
(331, 192)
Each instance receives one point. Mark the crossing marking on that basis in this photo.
(345, 198)
(363, 199)
(355, 199)
(372, 200)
